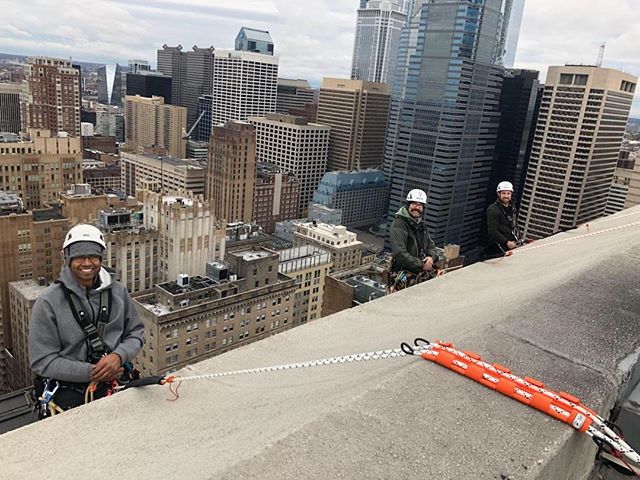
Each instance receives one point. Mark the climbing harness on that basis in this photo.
(403, 279)
(561, 406)
(44, 403)
(93, 333)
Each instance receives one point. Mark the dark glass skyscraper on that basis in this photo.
(444, 116)
(149, 84)
(203, 130)
(191, 75)
(519, 103)
(109, 84)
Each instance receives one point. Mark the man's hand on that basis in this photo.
(108, 368)
(427, 263)
(511, 245)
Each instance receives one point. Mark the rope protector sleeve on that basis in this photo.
(531, 392)
(492, 378)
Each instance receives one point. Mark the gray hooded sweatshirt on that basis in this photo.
(57, 344)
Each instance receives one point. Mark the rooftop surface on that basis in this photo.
(564, 310)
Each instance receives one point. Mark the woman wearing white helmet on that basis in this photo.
(412, 248)
(502, 225)
(64, 349)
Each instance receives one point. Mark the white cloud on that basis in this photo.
(11, 31)
(313, 38)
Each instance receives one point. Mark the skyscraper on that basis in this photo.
(582, 119)
(294, 94)
(244, 85)
(151, 123)
(296, 146)
(138, 66)
(377, 39)
(38, 170)
(231, 171)
(52, 97)
(28, 243)
(191, 76)
(512, 11)
(444, 114)
(109, 85)
(171, 63)
(252, 40)
(205, 108)
(198, 80)
(149, 84)
(10, 107)
(188, 233)
(518, 115)
(276, 196)
(356, 111)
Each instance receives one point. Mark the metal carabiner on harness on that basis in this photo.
(49, 392)
(45, 400)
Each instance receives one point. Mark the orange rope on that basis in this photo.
(171, 379)
(175, 392)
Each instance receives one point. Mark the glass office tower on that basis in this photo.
(444, 117)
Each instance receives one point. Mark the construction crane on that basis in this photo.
(600, 55)
(186, 135)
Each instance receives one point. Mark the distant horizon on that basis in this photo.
(313, 40)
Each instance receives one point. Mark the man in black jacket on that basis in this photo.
(413, 250)
(502, 220)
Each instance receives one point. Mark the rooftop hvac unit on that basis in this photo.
(81, 189)
(216, 271)
(183, 280)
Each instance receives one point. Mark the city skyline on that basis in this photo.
(313, 41)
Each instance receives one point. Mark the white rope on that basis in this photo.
(356, 357)
(528, 248)
(609, 218)
(598, 429)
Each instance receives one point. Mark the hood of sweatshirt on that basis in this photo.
(68, 278)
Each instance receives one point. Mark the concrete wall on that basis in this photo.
(564, 310)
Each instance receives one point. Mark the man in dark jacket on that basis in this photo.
(414, 253)
(502, 221)
(60, 351)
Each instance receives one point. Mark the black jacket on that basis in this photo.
(502, 224)
(410, 243)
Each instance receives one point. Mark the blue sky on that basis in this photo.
(313, 38)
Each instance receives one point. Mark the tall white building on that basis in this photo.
(377, 39)
(244, 85)
(188, 234)
(582, 119)
(296, 146)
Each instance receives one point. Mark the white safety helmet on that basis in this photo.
(417, 195)
(84, 233)
(504, 186)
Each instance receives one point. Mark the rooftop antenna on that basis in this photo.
(600, 55)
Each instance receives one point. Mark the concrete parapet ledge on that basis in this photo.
(566, 314)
